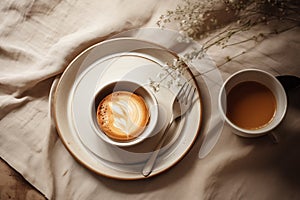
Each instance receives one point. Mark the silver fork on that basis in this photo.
(181, 104)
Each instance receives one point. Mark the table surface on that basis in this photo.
(14, 186)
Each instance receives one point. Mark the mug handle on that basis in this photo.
(288, 82)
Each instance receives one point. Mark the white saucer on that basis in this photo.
(120, 59)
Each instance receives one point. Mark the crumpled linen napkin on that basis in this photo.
(37, 41)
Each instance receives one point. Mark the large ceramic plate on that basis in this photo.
(113, 60)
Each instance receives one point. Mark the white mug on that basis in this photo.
(133, 87)
(265, 79)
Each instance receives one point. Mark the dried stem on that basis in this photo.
(200, 19)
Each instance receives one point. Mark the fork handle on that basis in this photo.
(147, 169)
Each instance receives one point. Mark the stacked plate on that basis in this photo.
(123, 58)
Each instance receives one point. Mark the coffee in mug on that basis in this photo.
(251, 105)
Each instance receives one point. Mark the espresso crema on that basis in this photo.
(122, 115)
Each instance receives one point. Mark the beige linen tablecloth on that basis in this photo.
(38, 38)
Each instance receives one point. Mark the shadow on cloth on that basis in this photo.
(268, 171)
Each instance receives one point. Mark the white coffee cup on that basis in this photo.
(130, 86)
(265, 79)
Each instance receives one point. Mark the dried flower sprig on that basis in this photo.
(198, 19)
(171, 74)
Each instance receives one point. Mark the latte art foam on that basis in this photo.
(122, 115)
